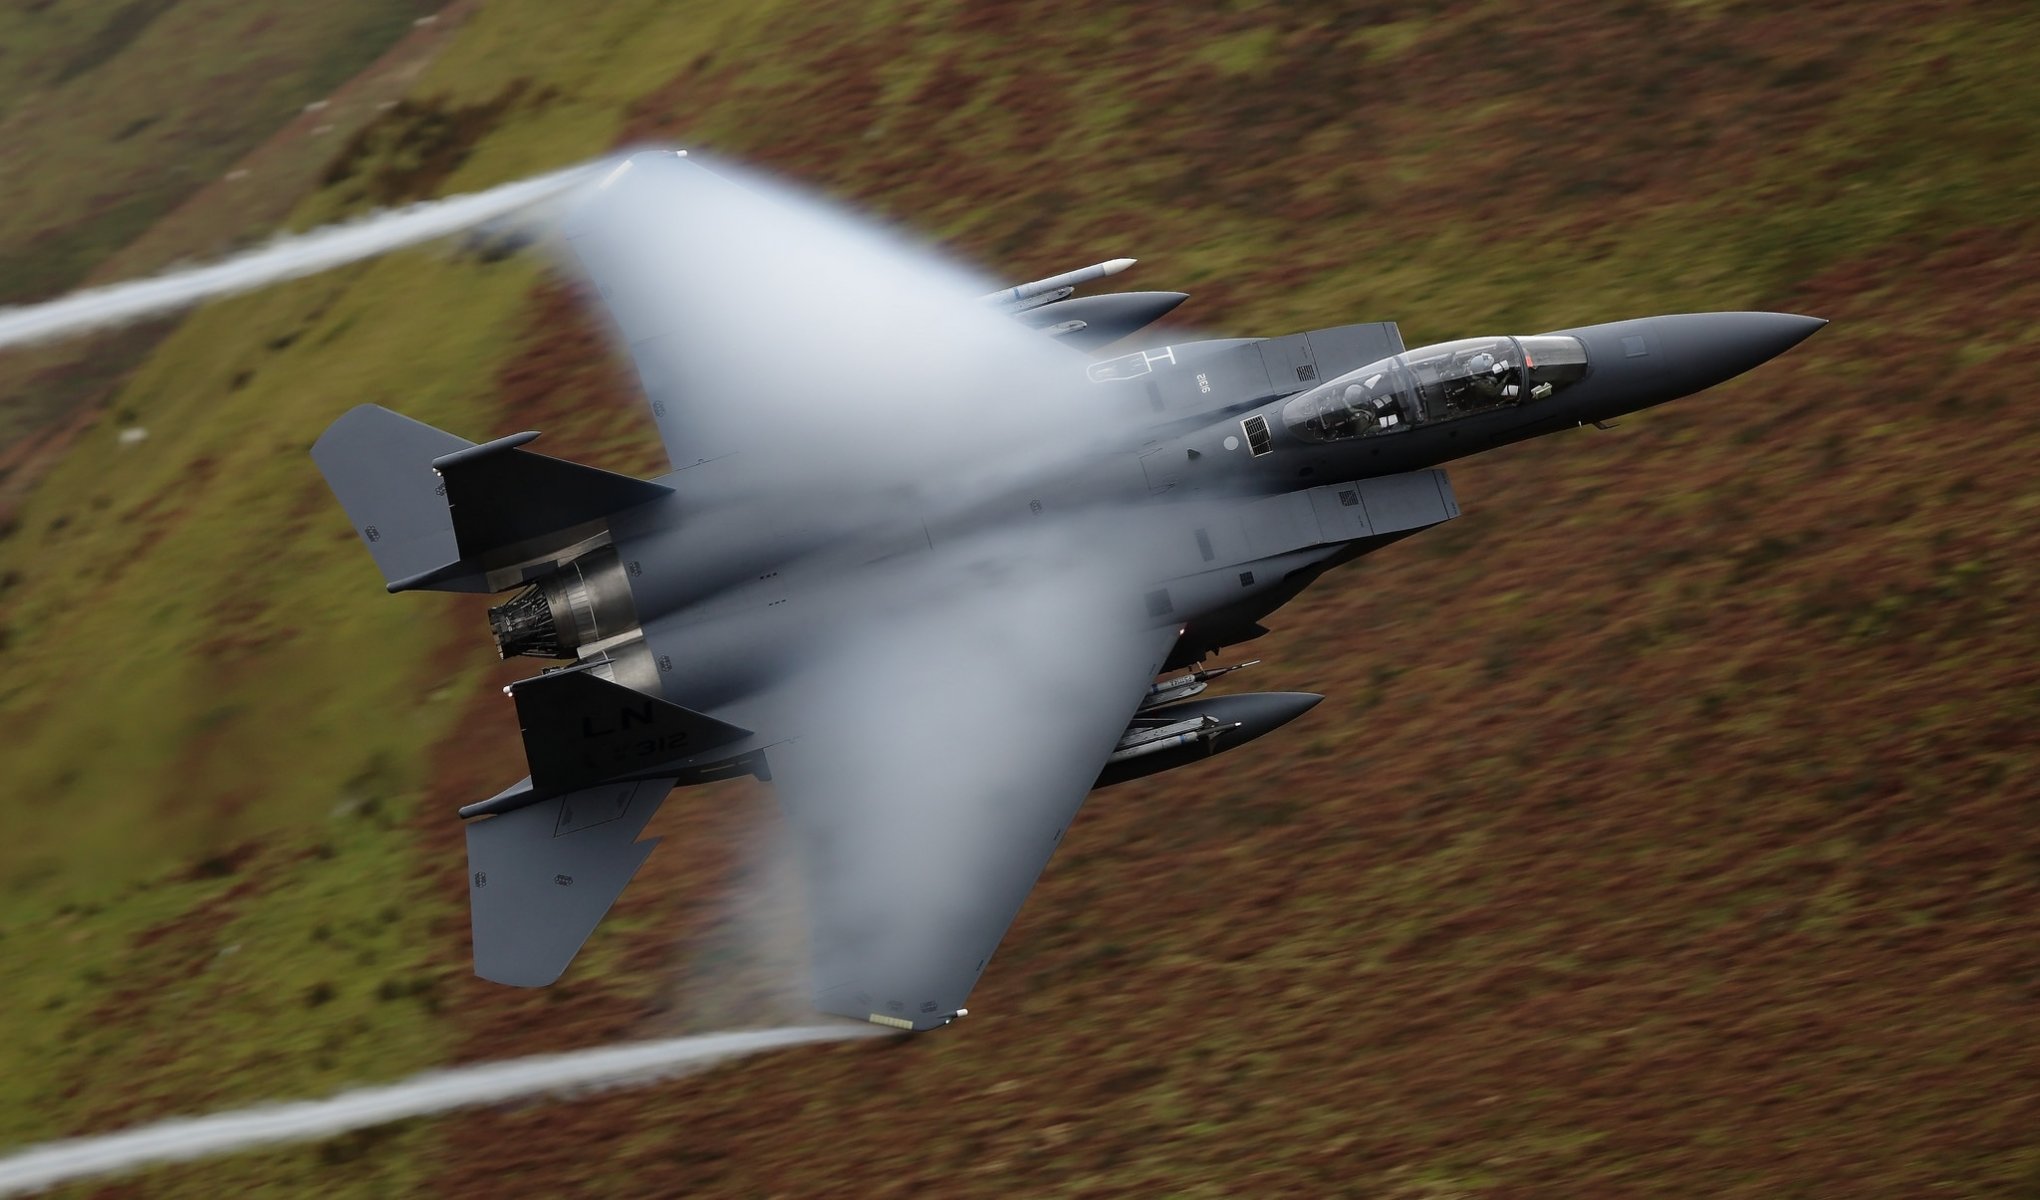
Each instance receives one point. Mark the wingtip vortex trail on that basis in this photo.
(183, 1139)
(290, 256)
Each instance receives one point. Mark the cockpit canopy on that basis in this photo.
(1437, 383)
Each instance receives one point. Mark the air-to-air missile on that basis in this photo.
(1086, 322)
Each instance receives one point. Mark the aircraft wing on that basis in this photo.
(939, 766)
(782, 343)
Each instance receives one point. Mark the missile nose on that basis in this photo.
(1707, 348)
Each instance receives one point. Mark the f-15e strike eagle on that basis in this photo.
(922, 555)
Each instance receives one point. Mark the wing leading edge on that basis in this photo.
(922, 826)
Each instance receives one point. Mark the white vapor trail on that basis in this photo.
(288, 257)
(184, 1138)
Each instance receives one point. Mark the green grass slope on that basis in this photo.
(119, 157)
(1669, 829)
(112, 111)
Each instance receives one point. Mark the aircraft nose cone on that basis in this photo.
(1648, 360)
(1707, 348)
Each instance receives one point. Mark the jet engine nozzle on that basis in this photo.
(526, 625)
(584, 602)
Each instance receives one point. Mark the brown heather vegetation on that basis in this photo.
(1669, 828)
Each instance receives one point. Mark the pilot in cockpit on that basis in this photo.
(1385, 411)
(1488, 377)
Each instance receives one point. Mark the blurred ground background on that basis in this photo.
(1671, 828)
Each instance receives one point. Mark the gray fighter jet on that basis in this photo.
(921, 557)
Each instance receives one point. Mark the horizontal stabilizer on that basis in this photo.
(379, 465)
(541, 878)
(509, 503)
(581, 729)
(438, 511)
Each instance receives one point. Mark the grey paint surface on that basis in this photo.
(541, 878)
(923, 592)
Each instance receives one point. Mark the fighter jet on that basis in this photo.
(928, 561)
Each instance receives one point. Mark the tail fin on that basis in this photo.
(581, 729)
(440, 512)
(549, 855)
(540, 879)
(379, 465)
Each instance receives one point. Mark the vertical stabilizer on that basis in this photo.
(379, 465)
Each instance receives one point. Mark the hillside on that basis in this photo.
(114, 164)
(1669, 828)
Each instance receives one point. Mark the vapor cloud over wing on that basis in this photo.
(789, 347)
(948, 728)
